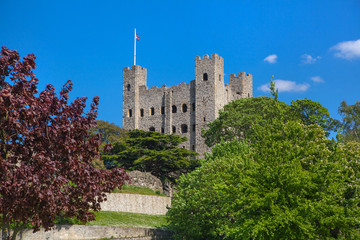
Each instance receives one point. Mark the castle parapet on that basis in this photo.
(206, 57)
(134, 68)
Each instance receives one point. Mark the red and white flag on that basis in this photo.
(137, 37)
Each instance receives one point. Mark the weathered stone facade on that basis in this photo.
(182, 109)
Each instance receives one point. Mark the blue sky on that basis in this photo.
(311, 47)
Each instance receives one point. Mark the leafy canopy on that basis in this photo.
(351, 121)
(291, 183)
(153, 152)
(46, 151)
(237, 119)
(110, 132)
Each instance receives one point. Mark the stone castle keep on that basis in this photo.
(182, 109)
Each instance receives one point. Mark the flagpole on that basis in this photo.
(135, 47)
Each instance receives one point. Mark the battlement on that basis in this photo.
(206, 57)
(134, 68)
(240, 75)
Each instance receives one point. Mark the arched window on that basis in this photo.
(184, 107)
(193, 127)
(162, 110)
(248, 94)
(152, 129)
(193, 147)
(130, 113)
(141, 112)
(152, 111)
(162, 130)
(193, 107)
(174, 109)
(128, 87)
(220, 77)
(173, 129)
(184, 128)
(205, 77)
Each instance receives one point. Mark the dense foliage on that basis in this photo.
(46, 151)
(110, 132)
(237, 118)
(153, 152)
(292, 183)
(351, 121)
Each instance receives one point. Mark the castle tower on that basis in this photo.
(241, 85)
(132, 79)
(210, 94)
(182, 109)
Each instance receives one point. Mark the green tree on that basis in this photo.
(237, 119)
(110, 132)
(311, 112)
(153, 152)
(351, 121)
(289, 184)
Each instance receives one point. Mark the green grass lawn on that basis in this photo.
(121, 219)
(104, 218)
(138, 190)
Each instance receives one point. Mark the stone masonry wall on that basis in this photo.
(182, 109)
(145, 179)
(135, 203)
(82, 232)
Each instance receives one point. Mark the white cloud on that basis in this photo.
(317, 79)
(285, 86)
(348, 49)
(308, 59)
(271, 58)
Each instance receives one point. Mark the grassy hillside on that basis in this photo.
(121, 219)
(138, 190)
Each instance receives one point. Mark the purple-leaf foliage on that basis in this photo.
(46, 151)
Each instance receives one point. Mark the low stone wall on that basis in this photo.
(145, 179)
(81, 232)
(134, 203)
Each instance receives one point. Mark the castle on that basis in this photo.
(182, 109)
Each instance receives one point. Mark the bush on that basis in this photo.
(289, 184)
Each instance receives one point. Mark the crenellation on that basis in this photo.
(215, 56)
(183, 109)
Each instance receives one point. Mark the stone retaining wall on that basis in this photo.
(145, 179)
(134, 203)
(81, 232)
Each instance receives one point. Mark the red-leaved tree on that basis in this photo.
(46, 152)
